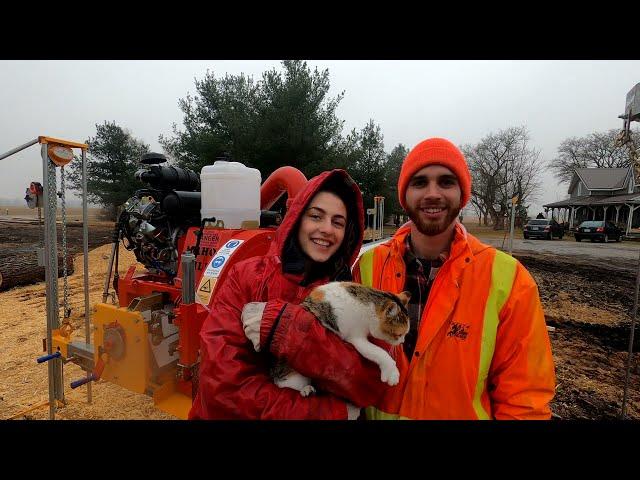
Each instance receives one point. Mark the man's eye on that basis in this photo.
(448, 182)
(417, 183)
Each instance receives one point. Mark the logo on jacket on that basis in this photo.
(458, 330)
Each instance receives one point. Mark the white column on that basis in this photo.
(629, 219)
(571, 216)
(605, 212)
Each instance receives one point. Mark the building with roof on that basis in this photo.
(600, 194)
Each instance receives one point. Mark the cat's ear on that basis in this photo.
(404, 297)
(393, 310)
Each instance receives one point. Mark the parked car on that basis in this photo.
(543, 228)
(598, 230)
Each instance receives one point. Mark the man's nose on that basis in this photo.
(432, 190)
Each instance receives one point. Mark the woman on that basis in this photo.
(317, 242)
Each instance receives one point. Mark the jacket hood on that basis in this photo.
(354, 206)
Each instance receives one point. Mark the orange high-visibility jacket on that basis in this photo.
(483, 350)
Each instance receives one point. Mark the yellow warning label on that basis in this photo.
(203, 294)
(206, 287)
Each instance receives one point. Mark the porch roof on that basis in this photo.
(630, 198)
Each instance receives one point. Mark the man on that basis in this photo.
(478, 347)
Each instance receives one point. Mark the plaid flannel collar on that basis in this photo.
(411, 260)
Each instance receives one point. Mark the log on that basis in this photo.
(21, 268)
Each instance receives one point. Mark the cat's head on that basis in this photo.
(393, 318)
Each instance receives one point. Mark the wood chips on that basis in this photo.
(24, 383)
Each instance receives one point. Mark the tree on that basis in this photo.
(297, 122)
(220, 119)
(286, 118)
(367, 160)
(393, 165)
(598, 149)
(112, 160)
(502, 165)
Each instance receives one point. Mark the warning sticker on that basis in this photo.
(206, 287)
(214, 269)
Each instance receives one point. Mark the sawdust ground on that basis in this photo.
(24, 383)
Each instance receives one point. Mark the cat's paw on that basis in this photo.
(251, 319)
(308, 390)
(390, 375)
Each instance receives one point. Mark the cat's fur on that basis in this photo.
(354, 311)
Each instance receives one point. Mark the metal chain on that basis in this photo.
(53, 203)
(67, 310)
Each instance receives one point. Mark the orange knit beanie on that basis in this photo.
(435, 151)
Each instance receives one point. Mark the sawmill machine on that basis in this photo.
(187, 230)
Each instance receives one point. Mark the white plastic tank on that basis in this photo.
(230, 192)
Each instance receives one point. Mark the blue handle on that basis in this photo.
(82, 381)
(46, 358)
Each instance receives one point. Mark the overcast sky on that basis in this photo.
(410, 100)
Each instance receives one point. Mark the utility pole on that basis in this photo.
(514, 200)
(631, 113)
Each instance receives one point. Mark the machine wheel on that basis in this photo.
(592, 240)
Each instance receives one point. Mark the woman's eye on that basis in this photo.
(339, 224)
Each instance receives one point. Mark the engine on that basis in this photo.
(154, 218)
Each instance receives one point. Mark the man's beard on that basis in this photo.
(429, 227)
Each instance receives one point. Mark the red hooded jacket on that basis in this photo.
(234, 380)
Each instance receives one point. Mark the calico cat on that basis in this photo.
(352, 311)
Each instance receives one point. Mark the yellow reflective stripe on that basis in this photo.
(502, 275)
(366, 268)
(372, 413)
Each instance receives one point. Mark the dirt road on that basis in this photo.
(568, 246)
